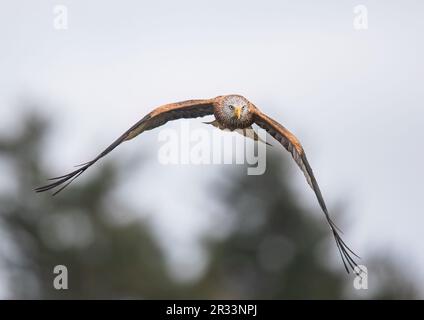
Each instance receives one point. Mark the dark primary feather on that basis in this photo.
(291, 144)
(65, 180)
(156, 118)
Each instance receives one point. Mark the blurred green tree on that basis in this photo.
(106, 259)
(277, 249)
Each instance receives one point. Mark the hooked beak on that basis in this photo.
(237, 112)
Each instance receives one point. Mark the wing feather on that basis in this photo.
(292, 144)
(156, 118)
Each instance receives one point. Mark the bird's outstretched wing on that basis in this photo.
(292, 144)
(156, 118)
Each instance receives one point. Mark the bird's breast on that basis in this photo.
(233, 123)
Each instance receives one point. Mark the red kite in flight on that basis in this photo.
(232, 112)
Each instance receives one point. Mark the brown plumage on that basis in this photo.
(232, 112)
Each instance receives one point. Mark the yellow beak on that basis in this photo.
(237, 112)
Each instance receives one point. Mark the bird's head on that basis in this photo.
(236, 109)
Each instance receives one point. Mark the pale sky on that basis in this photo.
(353, 97)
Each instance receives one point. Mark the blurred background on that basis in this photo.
(133, 228)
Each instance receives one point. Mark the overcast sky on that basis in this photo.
(353, 97)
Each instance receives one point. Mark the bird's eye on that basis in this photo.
(231, 106)
(244, 107)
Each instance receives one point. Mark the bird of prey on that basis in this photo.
(232, 112)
